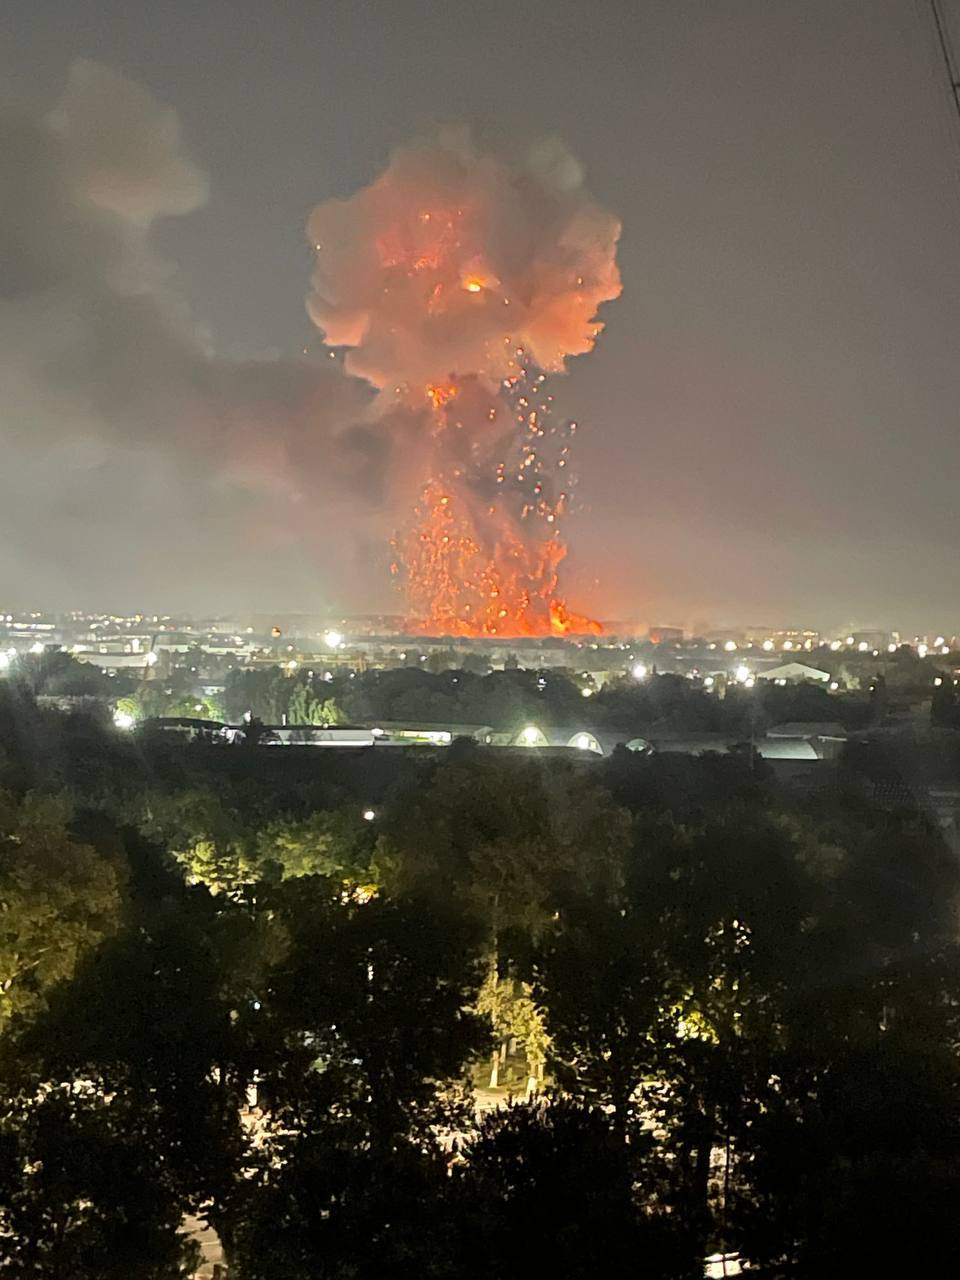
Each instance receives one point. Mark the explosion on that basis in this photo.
(458, 283)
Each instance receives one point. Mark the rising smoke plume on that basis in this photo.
(454, 280)
(133, 457)
(130, 455)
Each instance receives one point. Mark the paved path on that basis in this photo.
(210, 1251)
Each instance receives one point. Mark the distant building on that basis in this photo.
(665, 635)
(796, 749)
(596, 741)
(794, 673)
(825, 737)
(437, 735)
(115, 661)
(314, 735)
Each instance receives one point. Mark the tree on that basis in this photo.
(81, 1193)
(608, 994)
(943, 702)
(306, 708)
(514, 1014)
(59, 898)
(846, 1171)
(155, 1035)
(500, 841)
(263, 693)
(371, 1001)
(554, 1176)
(57, 674)
(440, 660)
(328, 1207)
(337, 845)
(365, 1030)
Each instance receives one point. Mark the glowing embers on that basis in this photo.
(482, 551)
(470, 573)
(440, 396)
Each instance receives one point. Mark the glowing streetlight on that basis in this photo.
(334, 639)
(530, 736)
(742, 674)
(369, 815)
(639, 671)
(124, 720)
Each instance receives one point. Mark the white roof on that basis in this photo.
(793, 671)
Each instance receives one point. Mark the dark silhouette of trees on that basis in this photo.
(229, 992)
(556, 1180)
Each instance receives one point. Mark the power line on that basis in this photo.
(945, 48)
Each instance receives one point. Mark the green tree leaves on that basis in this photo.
(59, 898)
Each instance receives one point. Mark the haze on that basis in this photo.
(769, 419)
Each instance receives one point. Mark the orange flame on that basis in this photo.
(470, 572)
(440, 396)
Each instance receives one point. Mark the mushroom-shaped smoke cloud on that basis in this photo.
(454, 279)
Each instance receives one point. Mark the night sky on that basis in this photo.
(770, 418)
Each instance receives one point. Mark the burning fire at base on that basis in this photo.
(482, 558)
(457, 283)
